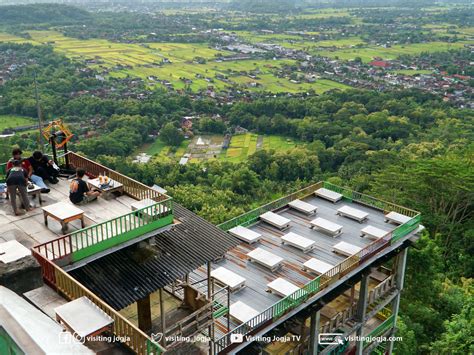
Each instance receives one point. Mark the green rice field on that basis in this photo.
(12, 121)
(369, 53)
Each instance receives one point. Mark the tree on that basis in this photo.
(458, 339)
(442, 188)
(171, 135)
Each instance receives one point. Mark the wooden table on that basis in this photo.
(36, 190)
(64, 213)
(107, 190)
(83, 318)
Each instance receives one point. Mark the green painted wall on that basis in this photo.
(122, 238)
(7, 345)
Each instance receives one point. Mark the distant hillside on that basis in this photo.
(42, 13)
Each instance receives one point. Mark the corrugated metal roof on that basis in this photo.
(123, 277)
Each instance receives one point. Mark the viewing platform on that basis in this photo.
(273, 262)
(338, 255)
(63, 236)
(109, 224)
(116, 251)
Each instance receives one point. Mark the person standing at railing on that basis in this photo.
(79, 192)
(25, 163)
(17, 179)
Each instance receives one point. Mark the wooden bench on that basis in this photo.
(245, 234)
(242, 312)
(298, 241)
(282, 287)
(396, 218)
(353, 213)
(83, 318)
(303, 206)
(265, 258)
(373, 232)
(228, 278)
(328, 195)
(326, 226)
(317, 266)
(275, 220)
(346, 249)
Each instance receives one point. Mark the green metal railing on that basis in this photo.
(252, 216)
(3, 172)
(91, 240)
(381, 329)
(322, 281)
(102, 236)
(369, 201)
(406, 228)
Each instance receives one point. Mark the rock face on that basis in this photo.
(21, 275)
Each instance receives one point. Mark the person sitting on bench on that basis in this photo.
(25, 163)
(43, 167)
(17, 179)
(79, 192)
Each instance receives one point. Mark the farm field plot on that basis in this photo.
(6, 37)
(369, 53)
(297, 41)
(257, 37)
(412, 72)
(161, 149)
(279, 143)
(12, 121)
(244, 145)
(206, 146)
(146, 61)
(277, 85)
(241, 146)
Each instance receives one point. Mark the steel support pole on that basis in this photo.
(400, 279)
(228, 308)
(210, 296)
(361, 311)
(314, 332)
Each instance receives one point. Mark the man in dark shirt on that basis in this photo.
(79, 192)
(25, 163)
(17, 178)
(43, 167)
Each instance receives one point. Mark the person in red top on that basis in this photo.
(37, 180)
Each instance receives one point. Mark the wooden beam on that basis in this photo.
(144, 314)
(163, 316)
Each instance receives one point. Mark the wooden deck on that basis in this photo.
(30, 229)
(257, 277)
